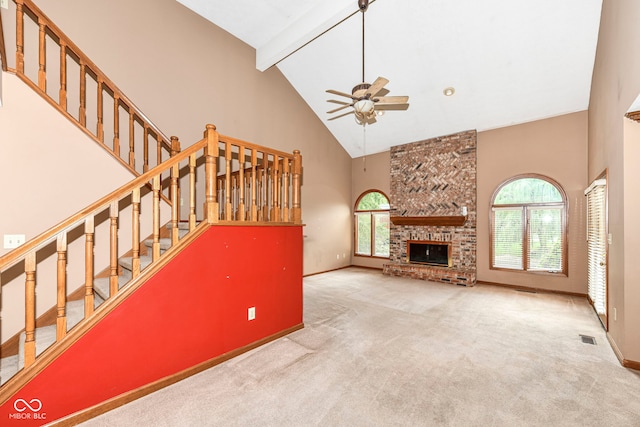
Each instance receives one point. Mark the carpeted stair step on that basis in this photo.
(45, 337)
(165, 243)
(75, 310)
(127, 262)
(8, 368)
(101, 285)
(183, 225)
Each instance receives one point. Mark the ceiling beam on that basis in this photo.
(320, 19)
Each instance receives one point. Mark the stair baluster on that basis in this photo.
(42, 50)
(19, 37)
(82, 112)
(241, 160)
(275, 182)
(297, 184)
(135, 232)
(100, 124)
(113, 248)
(192, 192)
(89, 231)
(132, 143)
(155, 248)
(116, 125)
(145, 148)
(228, 210)
(285, 189)
(61, 318)
(62, 97)
(254, 185)
(30, 309)
(175, 204)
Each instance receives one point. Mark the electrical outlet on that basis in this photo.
(4, 4)
(251, 313)
(12, 241)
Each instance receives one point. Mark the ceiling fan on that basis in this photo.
(363, 98)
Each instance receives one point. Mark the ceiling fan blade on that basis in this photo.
(335, 101)
(377, 86)
(392, 107)
(382, 100)
(337, 92)
(341, 115)
(339, 108)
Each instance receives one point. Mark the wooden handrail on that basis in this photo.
(268, 175)
(47, 30)
(3, 51)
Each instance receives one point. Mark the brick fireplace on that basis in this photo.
(433, 198)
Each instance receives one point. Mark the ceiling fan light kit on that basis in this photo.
(366, 105)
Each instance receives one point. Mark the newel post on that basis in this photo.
(175, 146)
(297, 187)
(211, 203)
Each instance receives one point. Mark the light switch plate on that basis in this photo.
(12, 241)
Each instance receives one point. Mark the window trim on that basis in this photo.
(371, 212)
(525, 238)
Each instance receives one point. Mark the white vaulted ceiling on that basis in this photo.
(510, 61)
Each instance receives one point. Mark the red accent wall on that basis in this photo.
(192, 310)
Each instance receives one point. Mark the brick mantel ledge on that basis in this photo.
(452, 221)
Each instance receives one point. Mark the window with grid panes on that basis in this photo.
(372, 225)
(528, 225)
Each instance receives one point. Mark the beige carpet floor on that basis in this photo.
(383, 351)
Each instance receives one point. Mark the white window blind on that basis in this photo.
(596, 247)
(545, 239)
(508, 237)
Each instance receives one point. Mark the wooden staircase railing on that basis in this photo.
(118, 218)
(59, 71)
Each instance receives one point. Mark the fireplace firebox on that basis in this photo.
(429, 252)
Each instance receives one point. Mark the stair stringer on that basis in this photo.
(186, 310)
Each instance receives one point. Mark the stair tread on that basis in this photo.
(75, 310)
(8, 368)
(102, 288)
(127, 262)
(181, 226)
(165, 243)
(44, 336)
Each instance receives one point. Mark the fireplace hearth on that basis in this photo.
(429, 253)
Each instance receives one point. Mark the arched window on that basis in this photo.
(529, 225)
(372, 225)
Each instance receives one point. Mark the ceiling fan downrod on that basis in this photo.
(363, 5)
